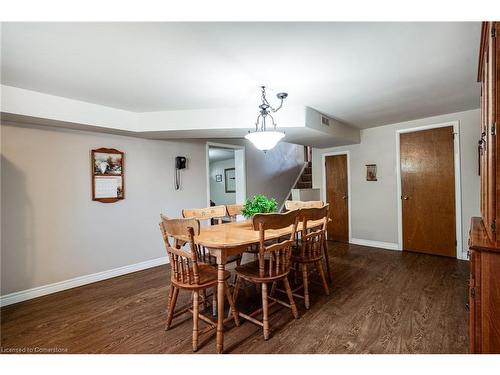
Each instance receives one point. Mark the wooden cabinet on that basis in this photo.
(484, 242)
(484, 290)
(488, 74)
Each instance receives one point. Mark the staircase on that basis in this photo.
(305, 180)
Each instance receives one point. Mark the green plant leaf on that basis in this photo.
(258, 204)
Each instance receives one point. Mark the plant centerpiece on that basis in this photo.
(259, 204)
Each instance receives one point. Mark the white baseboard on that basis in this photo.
(43, 290)
(382, 245)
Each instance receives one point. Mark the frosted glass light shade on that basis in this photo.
(265, 140)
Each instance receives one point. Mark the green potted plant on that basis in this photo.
(257, 205)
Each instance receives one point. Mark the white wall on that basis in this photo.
(272, 173)
(218, 189)
(374, 204)
(53, 231)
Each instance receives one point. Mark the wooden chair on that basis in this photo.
(297, 205)
(273, 265)
(310, 251)
(190, 274)
(215, 212)
(234, 210)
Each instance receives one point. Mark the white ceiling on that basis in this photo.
(218, 154)
(365, 74)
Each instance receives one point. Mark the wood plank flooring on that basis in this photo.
(381, 301)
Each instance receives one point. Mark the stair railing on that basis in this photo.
(306, 164)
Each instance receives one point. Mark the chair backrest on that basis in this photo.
(295, 205)
(277, 254)
(312, 238)
(234, 210)
(184, 263)
(214, 212)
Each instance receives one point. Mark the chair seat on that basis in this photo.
(250, 271)
(208, 278)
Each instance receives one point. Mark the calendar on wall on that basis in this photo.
(107, 175)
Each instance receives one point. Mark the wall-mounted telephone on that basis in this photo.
(180, 163)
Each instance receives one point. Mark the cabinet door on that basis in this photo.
(488, 177)
(490, 302)
(474, 302)
(496, 120)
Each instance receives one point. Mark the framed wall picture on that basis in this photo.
(230, 180)
(107, 175)
(218, 178)
(371, 172)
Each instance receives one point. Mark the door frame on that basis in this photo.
(323, 171)
(458, 184)
(240, 195)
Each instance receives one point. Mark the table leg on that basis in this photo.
(220, 305)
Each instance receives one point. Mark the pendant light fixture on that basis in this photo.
(263, 138)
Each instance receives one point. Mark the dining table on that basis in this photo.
(225, 240)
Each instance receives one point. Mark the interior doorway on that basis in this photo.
(429, 186)
(226, 175)
(337, 196)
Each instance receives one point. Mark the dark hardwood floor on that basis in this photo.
(381, 301)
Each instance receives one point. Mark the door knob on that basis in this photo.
(344, 197)
(406, 197)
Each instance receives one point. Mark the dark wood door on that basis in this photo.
(428, 191)
(337, 197)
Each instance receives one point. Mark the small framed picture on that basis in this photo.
(218, 178)
(371, 172)
(230, 175)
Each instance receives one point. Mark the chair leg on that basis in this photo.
(238, 263)
(232, 307)
(296, 273)
(236, 290)
(288, 290)
(273, 288)
(204, 298)
(319, 266)
(171, 306)
(214, 301)
(327, 259)
(170, 294)
(265, 311)
(196, 312)
(306, 285)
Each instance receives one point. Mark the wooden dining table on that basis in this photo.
(225, 240)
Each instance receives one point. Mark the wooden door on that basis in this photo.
(428, 191)
(337, 197)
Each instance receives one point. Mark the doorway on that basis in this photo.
(226, 181)
(337, 196)
(428, 190)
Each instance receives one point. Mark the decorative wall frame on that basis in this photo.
(230, 180)
(371, 172)
(107, 173)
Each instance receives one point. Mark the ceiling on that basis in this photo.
(219, 154)
(364, 74)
